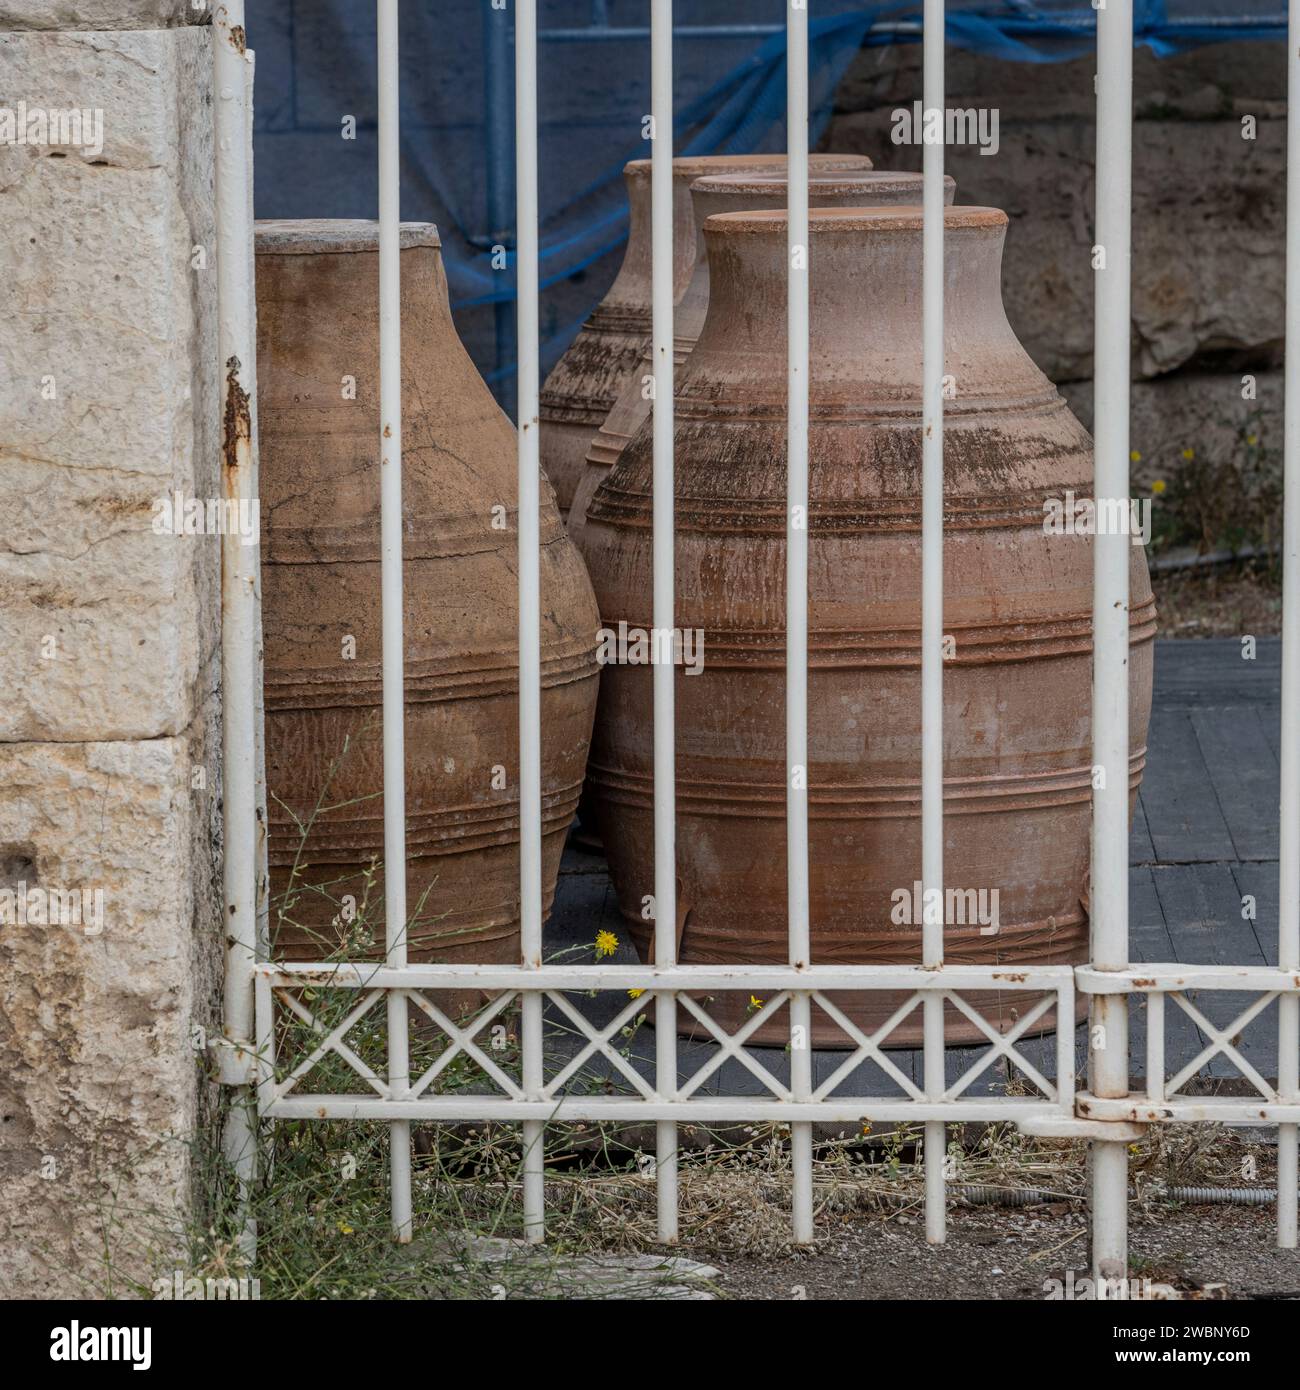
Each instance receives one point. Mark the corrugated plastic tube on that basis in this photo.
(981, 1195)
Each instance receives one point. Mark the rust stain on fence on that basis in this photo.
(237, 424)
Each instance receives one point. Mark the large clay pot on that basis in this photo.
(1017, 601)
(719, 193)
(318, 331)
(586, 381)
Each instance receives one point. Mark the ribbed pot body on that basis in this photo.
(716, 194)
(587, 380)
(1017, 606)
(318, 333)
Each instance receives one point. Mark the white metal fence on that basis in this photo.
(1106, 1113)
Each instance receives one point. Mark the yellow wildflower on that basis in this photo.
(1189, 454)
(1158, 486)
(635, 993)
(606, 943)
(1252, 439)
(755, 1002)
(345, 1228)
(1135, 456)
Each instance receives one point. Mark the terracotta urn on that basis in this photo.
(318, 370)
(1017, 605)
(719, 193)
(586, 381)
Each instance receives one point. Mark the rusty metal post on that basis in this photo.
(239, 671)
(932, 933)
(1110, 626)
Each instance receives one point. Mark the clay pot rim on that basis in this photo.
(864, 219)
(841, 181)
(701, 166)
(314, 236)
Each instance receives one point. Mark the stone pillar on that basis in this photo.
(109, 737)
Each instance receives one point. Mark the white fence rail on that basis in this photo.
(1106, 1114)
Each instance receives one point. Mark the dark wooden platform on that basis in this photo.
(1205, 838)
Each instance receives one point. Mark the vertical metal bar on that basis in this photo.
(1065, 1048)
(530, 649)
(798, 271)
(263, 887)
(1288, 920)
(1156, 1045)
(237, 351)
(663, 646)
(262, 890)
(264, 1005)
(1110, 620)
(932, 608)
(500, 156)
(390, 501)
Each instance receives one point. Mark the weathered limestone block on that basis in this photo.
(102, 14)
(109, 730)
(1208, 207)
(107, 387)
(100, 1085)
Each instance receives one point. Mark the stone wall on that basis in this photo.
(109, 744)
(1208, 223)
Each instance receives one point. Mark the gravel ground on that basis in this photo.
(1221, 602)
(1208, 1252)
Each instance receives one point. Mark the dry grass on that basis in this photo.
(735, 1199)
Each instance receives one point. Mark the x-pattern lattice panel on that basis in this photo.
(499, 1092)
(1165, 984)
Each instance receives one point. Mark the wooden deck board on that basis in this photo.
(1244, 772)
(1182, 809)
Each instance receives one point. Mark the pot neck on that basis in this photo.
(865, 306)
(723, 193)
(343, 256)
(632, 285)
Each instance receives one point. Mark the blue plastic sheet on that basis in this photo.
(316, 70)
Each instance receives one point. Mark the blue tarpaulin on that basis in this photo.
(315, 115)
